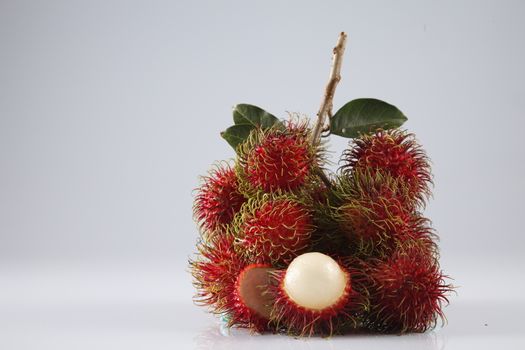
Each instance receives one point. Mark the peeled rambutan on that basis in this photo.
(252, 301)
(230, 286)
(218, 199)
(272, 229)
(278, 159)
(315, 295)
(407, 293)
(393, 152)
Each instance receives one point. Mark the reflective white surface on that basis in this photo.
(148, 306)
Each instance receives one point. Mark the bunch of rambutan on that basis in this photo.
(287, 246)
(281, 249)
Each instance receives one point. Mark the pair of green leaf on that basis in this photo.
(246, 118)
(360, 116)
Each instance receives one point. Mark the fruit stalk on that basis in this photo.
(325, 110)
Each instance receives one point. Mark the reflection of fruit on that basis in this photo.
(218, 199)
(280, 158)
(312, 293)
(273, 230)
(393, 152)
(406, 293)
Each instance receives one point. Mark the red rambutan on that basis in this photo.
(273, 230)
(231, 287)
(315, 295)
(381, 227)
(215, 271)
(218, 199)
(393, 152)
(376, 213)
(407, 293)
(281, 158)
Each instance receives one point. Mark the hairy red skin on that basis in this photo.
(375, 218)
(383, 219)
(406, 293)
(296, 319)
(218, 199)
(282, 160)
(217, 277)
(215, 272)
(393, 152)
(276, 231)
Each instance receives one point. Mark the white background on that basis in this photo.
(109, 111)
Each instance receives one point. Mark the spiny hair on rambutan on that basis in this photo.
(230, 286)
(273, 228)
(328, 236)
(361, 183)
(317, 295)
(376, 215)
(280, 158)
(421, 238)
(218, 199)
(395, 152)
(215, 270)
(379, 228)
(407, 293)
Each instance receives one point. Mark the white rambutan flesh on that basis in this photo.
(315, 295)
(315, 281)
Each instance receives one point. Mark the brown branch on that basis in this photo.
(325, 111)
(324, 178)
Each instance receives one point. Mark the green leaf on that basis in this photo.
(237, 134)
(256, 116)
(365, 115)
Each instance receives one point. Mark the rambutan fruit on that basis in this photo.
(377, 215)
(393, 152)
(407, 293)
(361, 183)
(378, 228)
(372, 223)
(315, 295)
(215, 271)
(273, 229)
(252, 300)
(218, 199)
(230, 286)
(278, 159)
